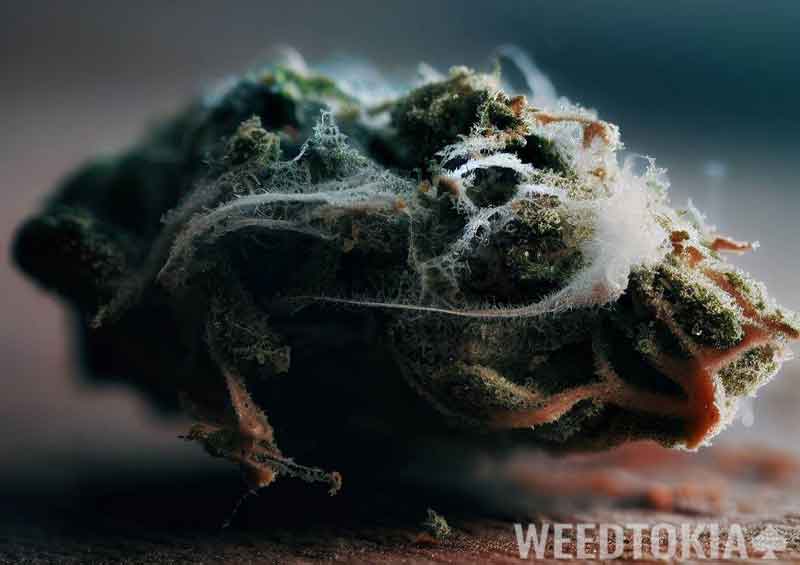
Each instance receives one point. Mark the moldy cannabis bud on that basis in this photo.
(319, 280)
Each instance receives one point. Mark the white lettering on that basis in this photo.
(580, 541)
(735, 542)
(559, 540)
(690, 541)
(531, 538)
(657, 535)
(637, 538)
(605, 541)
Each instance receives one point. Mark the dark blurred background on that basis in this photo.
(709, 88)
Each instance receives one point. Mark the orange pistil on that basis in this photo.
(518, 104)
(692, 255)
(610, 389)
(253, 424)
(591, 128)
(448, 184)
(695, 376)
(728, 244)
(554, 407)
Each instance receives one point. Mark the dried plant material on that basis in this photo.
(305, 268)
(436, 525)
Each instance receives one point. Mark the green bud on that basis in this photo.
(309, 270)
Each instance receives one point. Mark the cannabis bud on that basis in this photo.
(453, 263)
